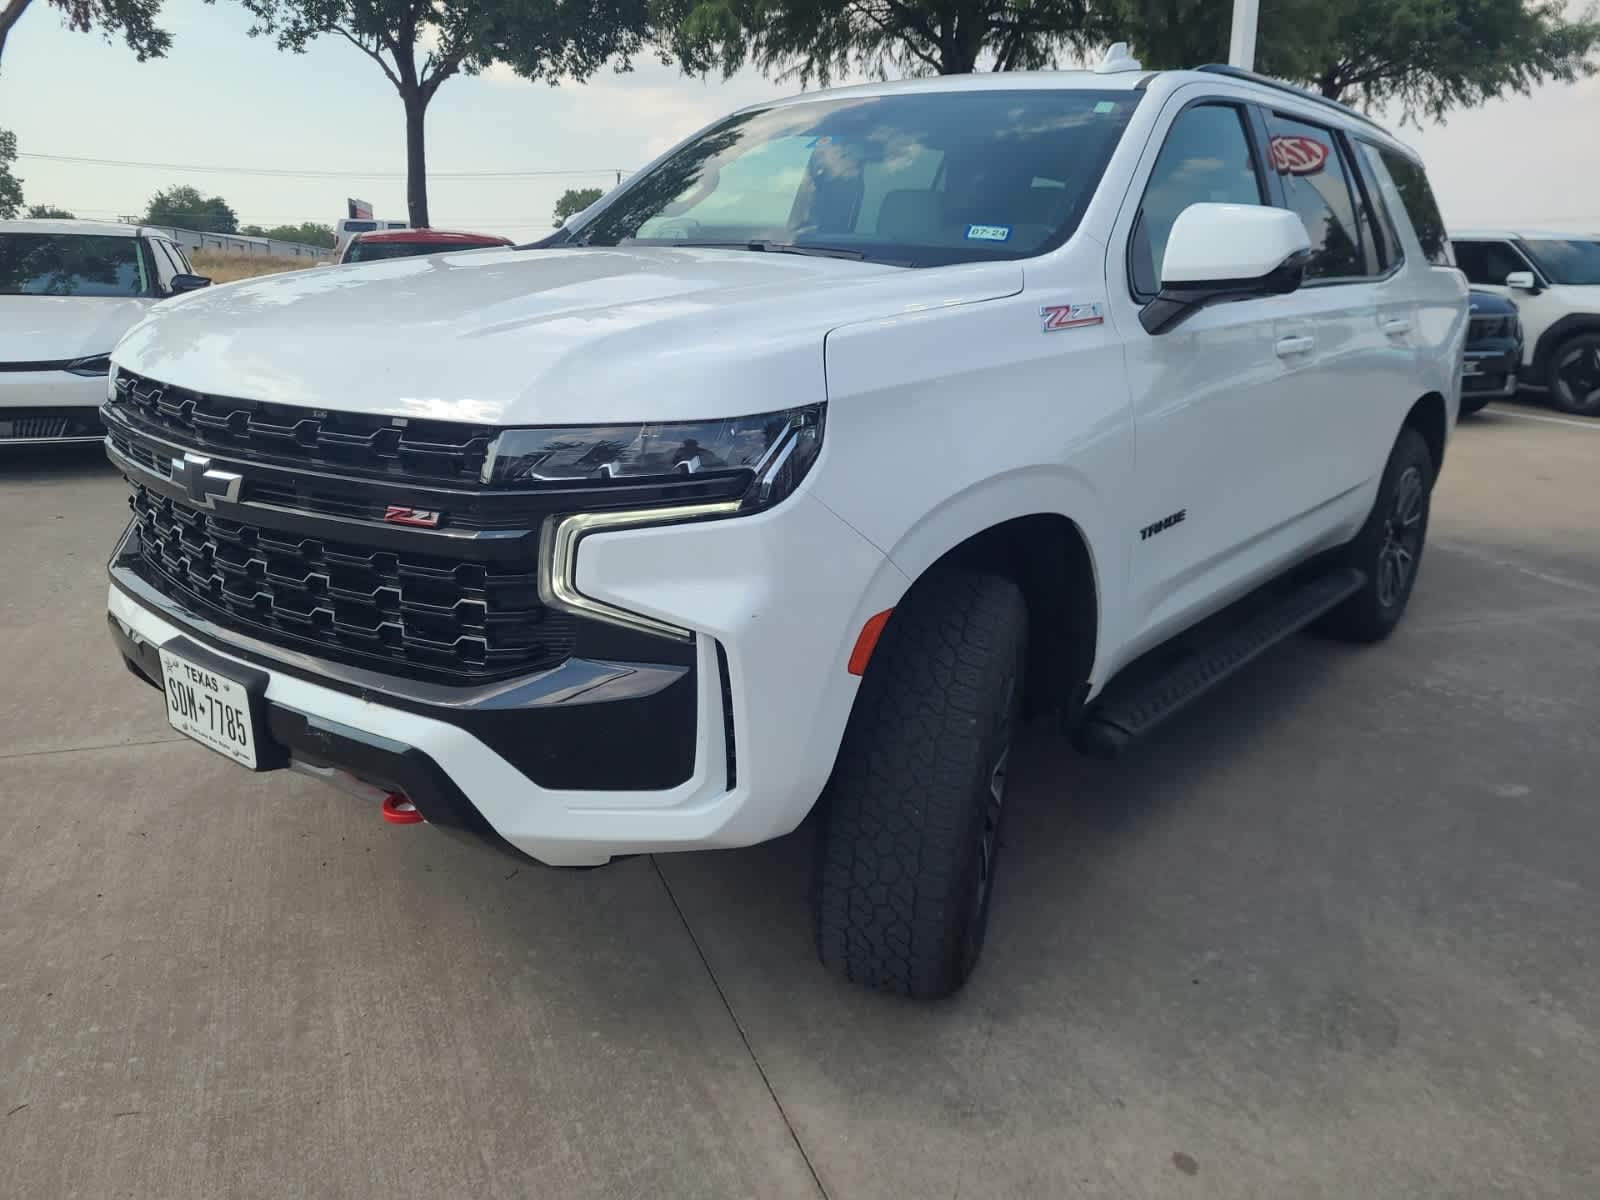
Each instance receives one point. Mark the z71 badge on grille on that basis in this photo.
(1057, 317)
(427, 518)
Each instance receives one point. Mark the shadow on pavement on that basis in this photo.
(42, 464)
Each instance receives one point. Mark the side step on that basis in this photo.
(1124, 714)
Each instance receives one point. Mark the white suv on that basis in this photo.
(1554, 280)
(68, 291)
(846, 435)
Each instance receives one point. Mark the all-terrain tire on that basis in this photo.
(1391, 541)
(908, 840)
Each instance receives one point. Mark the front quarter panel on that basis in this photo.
(945, 422)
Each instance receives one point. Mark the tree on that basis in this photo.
(1424, 56)
(575, 200)
(135, 20)
(49, 212)
(308, 233)
(818, 39)
(184, 207)
(10, 185)
(419, 44)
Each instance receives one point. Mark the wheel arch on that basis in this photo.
(1048, 556)
(1429, 417)
(1544, 349)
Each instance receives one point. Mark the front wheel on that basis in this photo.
(1575, 375)
(911, 829)
(1389, 547)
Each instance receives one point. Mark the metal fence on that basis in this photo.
(238, 243)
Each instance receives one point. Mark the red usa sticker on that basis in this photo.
(1057, 317)
(1298, 155)
(427, 518)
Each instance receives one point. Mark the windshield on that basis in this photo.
(373, 251)
(918, 180)
(71, 264)
(1574, 262)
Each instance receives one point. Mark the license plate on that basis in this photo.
(206, 705)
(1471, 368)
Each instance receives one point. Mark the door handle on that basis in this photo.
(1290, 346)
(1398, 327)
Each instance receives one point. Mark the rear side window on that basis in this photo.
(1206, 159)
(1488, 262)
(1318, 188)
(1423, 210)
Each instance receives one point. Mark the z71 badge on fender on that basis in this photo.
(1057, 317)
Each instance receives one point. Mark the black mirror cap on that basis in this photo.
(1178, 302)
(188, 283)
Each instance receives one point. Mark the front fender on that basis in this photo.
(944, 423)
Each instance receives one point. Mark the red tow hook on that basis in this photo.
(397, 810)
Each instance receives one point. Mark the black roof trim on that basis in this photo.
(1298, 92)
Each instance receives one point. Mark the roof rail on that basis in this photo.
(1302, 93)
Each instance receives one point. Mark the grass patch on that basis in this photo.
(225, 268)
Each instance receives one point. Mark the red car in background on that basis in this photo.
(408, 243)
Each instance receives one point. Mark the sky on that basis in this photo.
(222, 99)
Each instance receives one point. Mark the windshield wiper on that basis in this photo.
(781, 248)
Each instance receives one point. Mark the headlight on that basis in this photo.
(762, 457)
(94, 364)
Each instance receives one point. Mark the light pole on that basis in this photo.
(1242, 46)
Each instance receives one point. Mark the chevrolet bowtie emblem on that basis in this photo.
(193, 473)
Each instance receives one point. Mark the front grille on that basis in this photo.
(31, 424)
(1482, 328)
(416, 614)
(394, 448)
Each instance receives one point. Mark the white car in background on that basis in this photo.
(68, 291)
(1554, 280)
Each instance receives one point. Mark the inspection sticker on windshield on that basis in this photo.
(988, 233)
(1057, 317)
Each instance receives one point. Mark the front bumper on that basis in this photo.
(775, 601)
(50, 408)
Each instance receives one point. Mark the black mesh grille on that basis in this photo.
(419, 613)
(31, 423)
(1493, 326)
(291, 435)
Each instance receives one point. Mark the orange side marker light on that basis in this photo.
(867, 641)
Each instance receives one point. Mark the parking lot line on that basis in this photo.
(1591, 426)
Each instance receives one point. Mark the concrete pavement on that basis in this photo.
(1332, 933)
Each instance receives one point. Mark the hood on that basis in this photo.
(57, 328)
(539, 336)
(1489, 304)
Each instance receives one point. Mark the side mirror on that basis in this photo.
(188, 283)
(1522, 281)
(1222, 252)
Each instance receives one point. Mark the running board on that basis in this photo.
(1123, 715)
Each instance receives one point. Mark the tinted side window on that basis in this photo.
(1488, 262)
(1317, 188)
(1388, 232)
(1412, 183)
(1206, 159)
